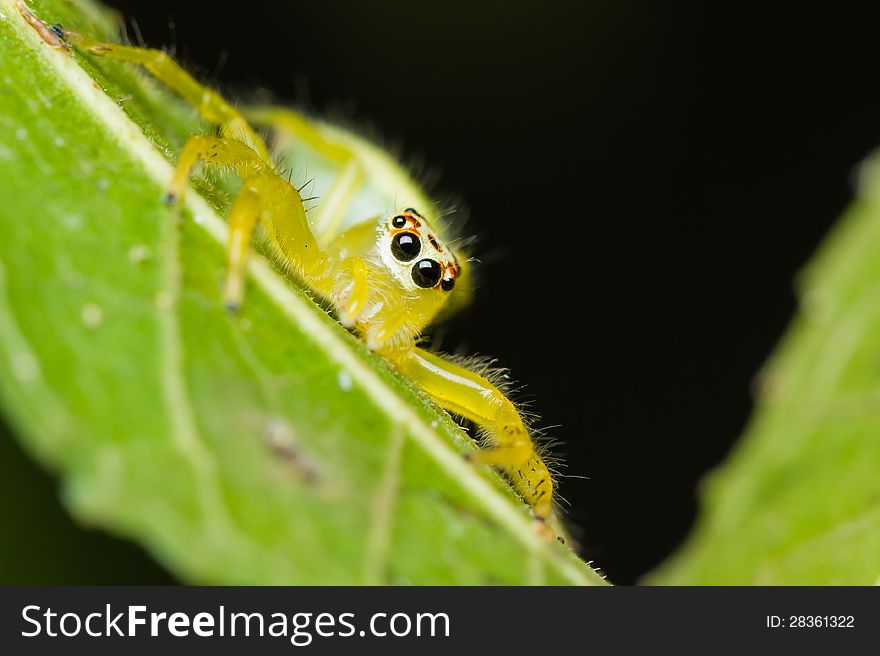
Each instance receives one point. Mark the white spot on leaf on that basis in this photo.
(25, 367)
(344, 380)
(73, 222)
(138, 253)
(91, 315)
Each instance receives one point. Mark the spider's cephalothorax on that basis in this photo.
(387, 278)
(412, 273)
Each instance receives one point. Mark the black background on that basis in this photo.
(646, 179)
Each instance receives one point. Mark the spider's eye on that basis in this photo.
(399, 221)
(448, 284)
(426, 273)
(405, 246)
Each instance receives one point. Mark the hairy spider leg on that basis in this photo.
(474, 397)
(335, 201)
(265, 198)
(209, 104)
(217, 152)
(276, 205)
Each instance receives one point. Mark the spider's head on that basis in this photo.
(414, 254)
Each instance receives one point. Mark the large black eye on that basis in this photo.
(426, 273)
(399, 221)
(405, 246)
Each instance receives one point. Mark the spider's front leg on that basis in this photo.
(268, 199)
(349, 294)
(264, 198)
(474, 397)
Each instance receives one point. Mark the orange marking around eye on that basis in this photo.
(412, 231)
(411, 215)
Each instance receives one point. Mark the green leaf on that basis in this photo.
(798, 502)
(265, 448)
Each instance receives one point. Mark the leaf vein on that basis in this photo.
(382, 512)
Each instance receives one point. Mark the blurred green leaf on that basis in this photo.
(798, 501)
(265, 448)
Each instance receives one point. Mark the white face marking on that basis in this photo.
(430, 248)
